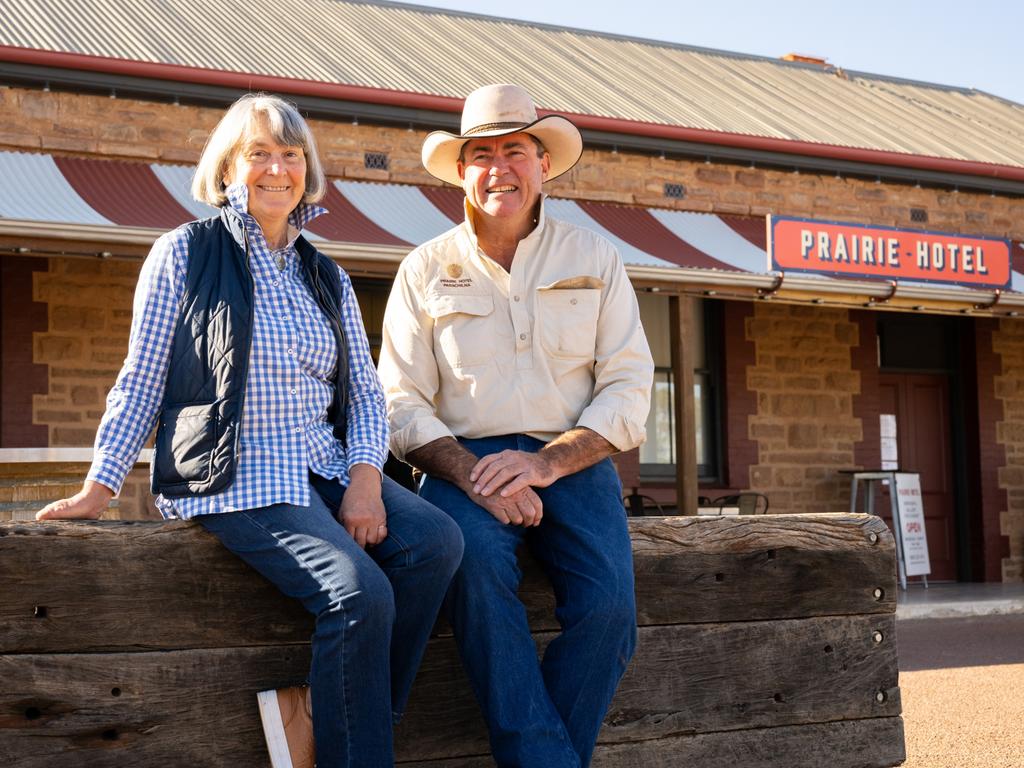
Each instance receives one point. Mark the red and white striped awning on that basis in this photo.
(116, 201)
(113, 193)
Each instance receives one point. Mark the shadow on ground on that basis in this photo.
(976, 641)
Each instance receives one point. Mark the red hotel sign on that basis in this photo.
(855, 250)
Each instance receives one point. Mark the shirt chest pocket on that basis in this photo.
(463, 328)
(567, 320)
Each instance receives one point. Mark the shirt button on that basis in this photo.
(294, 391)
(277, 282)
(298, 429)
(291, 351)
(522, 336)
(515, 298)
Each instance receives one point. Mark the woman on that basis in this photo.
(248, 351)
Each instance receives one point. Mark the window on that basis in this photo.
(658, 454)
(706, 388)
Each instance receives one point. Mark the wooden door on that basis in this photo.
(921, 407)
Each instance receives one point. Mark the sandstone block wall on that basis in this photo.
(804, 425)
(1008, 343)
(89, 307)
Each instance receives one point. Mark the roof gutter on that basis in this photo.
(452, 105)
(120, 235)
(787, 288)
(837, 291)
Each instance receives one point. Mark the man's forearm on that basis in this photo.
(574, 450)
(510, 472)
(444, 458)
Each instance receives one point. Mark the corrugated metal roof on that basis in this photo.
(426, 51)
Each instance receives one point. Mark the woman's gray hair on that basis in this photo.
(286, 126)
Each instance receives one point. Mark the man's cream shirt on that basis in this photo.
(471, 350)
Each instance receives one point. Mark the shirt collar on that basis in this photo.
(534, 233)
(238, 198)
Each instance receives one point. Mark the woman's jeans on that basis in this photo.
(546, 714)
(374, 608)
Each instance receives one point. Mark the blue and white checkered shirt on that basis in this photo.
(293, 356)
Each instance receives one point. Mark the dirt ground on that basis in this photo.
(962, 689)
(968, 717)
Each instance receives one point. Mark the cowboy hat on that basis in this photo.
(498, 110)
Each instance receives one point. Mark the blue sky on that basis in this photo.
(978, 43)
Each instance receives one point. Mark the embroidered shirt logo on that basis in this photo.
(455, 277)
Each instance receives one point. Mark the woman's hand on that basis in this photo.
(87, 504)
(362, 510)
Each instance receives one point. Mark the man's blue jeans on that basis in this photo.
(547, 714)
(374, 608)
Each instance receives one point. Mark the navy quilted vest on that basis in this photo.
(197, 433)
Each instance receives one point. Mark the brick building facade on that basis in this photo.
(799, 383)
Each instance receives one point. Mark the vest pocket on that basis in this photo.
(185, 442)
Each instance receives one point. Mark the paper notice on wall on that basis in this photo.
(910, 507)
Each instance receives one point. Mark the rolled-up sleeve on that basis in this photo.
(623, 366)
(408, 369)
(366, 432)
(133, 403)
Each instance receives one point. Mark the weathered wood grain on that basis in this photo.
(694, 678)
(97, 586)
(197, 707)
(108, 585)
(177, 708)
(874, 743)
(746, 568)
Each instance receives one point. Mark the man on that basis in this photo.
(514, 364)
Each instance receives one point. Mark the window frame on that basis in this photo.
(712, 406)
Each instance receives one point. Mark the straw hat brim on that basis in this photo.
(559, 136)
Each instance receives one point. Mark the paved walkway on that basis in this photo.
(949, 600)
